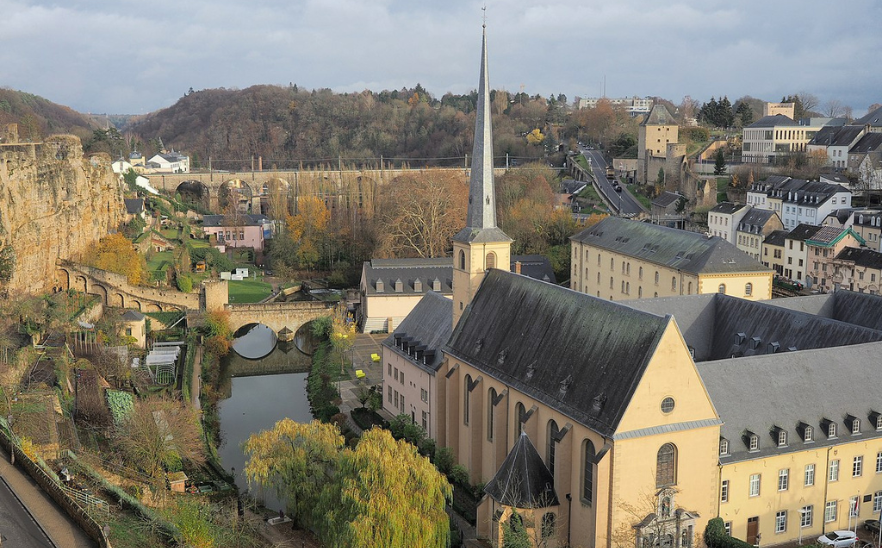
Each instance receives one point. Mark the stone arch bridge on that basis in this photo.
(115, 290)
(278, 316)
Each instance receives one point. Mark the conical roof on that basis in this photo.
(523, 480)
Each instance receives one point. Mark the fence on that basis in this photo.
(53, 488)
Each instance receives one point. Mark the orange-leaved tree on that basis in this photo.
(116, 253)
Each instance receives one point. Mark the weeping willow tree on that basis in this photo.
(382, 494)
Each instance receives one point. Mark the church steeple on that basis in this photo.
(481, 244)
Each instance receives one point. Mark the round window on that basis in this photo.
(667, 405)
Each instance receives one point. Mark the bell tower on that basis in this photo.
(481, 245)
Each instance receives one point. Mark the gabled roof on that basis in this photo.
(665, 199)
(523, 480)
(727, 208)
(688, 251)
(858, 308)
(578, 354)
(802, 232)
(659, 116)
(824, 136)
(829, 235)
(872, 119)
(773, 121)
(537, 267)
(833, 136)
(244, 219)
(863, 257)
(870, 142)
(755, 218)
(427, 271)
(426, 329)
(134, 205)
(776, 238)
(132, 316)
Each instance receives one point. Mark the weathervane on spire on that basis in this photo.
(484, 9)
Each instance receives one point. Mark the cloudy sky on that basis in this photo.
(126, 57)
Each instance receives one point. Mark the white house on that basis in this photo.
(723, 219)
(170, 162)
(797, 201)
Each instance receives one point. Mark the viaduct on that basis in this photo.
(114, 290)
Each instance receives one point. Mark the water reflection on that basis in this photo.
(256, 402)
(258, 341)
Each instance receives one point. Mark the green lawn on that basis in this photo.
(248, 291)
(644, 201)
(158, 259)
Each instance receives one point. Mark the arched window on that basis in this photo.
(674, 283)
(588, 474)
(666, 466)
(465, 400)
(491, 396)
(689, 292)
(748, 289)
(640, 273)
(520, 411)
(639, 292)
(461, 259)
(553, 432)
(722, 289)
(491, 260)
(656, 277)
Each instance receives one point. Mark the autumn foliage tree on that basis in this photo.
(420, 213)
(116, 253)
(382, 494)
(308, 230)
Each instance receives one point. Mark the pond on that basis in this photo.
(256, 402)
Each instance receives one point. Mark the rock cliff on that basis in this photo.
(54, 203)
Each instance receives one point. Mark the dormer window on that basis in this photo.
(418, 286)
(831, 430)
(854, 424)
(724, 447)
(876, 419)
(782, 437)
(436, 285)
(380, 288)
(809, 434)
(399, 285)
(752, 442)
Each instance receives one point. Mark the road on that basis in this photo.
(17, 528)
(626, 205)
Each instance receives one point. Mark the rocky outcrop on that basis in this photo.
(54, 203)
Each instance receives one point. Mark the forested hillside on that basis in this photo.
(287, 125)
(37, 118)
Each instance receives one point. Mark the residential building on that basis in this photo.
(169, 162)
(134, 324)
(620, 259)
(723, 219)
(135, 208)
(857, 269)
(238, 230)
(412, 356)
(137, 159)
(657, 130)
(775, 138)
(667, 209)
(872, 120)
(391, 288)
(867, 223)
(834, 142)
(865, 160)
(121, 167)
(796, 254)
(785, 109)
(773, 251)
(634, 106)
(823, 247)
(753, 229)
(798, 201)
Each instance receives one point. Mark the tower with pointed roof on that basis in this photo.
(481, 245)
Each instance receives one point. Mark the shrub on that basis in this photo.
(185, 283)
(427, 448)
(444, 460)
(459, 475)
(715, 536)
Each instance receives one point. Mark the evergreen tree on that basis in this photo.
(725, 115)
(719, 162)
(744, 114)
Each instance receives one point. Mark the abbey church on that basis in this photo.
(604, 424)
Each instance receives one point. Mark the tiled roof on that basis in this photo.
(579, 354)
(688, 251)
(659, 116)
(523, 480)
(826, 235)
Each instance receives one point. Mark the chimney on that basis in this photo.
(517, 267)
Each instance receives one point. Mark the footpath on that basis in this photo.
(60, 529)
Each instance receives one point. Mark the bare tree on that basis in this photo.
(834, 108)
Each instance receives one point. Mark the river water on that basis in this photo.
(257, 402)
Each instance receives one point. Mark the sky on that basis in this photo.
(126, 57)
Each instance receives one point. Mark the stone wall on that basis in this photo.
(54, 203)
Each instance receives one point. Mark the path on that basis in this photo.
(63, 532)
(196, 379)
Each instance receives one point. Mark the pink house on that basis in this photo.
(242, 230)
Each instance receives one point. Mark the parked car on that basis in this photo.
(838, 539)
(872, 525)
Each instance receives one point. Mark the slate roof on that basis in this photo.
(571, 186)
(869, 143)
(755, 220)
(422, 333)
(665, 199)
(776, 237)
(523, 480)
(837, 136)
(132, 316)
(537, 267)
(773, 121)
(858, 308)
(579, 354)
(829, 235)
(872, 118)
(824, 136)
(763, 407)
(688, 251)
(408, 271)
(841, 215)
(659, 116)
(134, 205)
(727, 208)
(802, 232)
(864, 257)
(246, 219)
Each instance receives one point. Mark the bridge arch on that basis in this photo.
(235, 193)
(194, 192)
